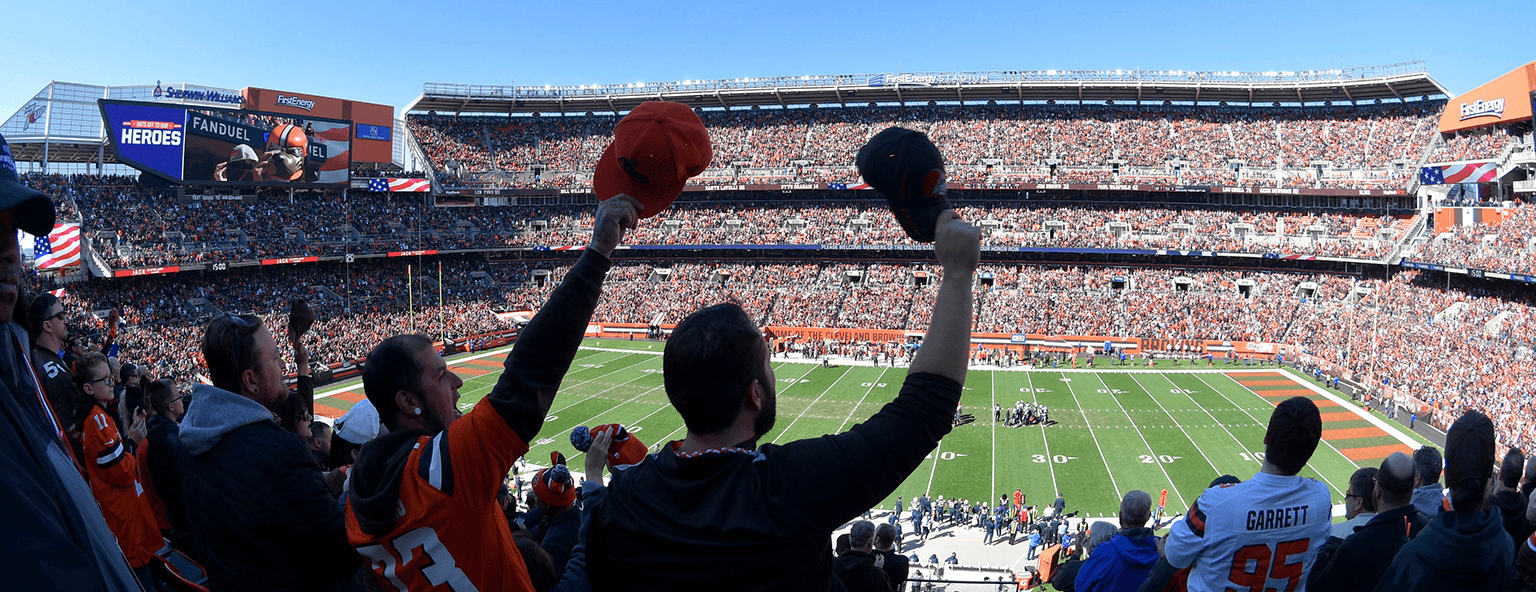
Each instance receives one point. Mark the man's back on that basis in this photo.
(1263, 532)
(758, 519)
(895, 568)
(256, 501)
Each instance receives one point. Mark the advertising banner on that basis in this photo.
(1502, 100)
(147, 137)
(208, 146)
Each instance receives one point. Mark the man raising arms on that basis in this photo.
(423, 508)
(716, 510)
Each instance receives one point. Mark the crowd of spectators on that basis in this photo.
(1482, 144)
(1502, 246)
(981, 143)
(132, 226)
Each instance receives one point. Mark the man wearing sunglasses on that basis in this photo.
(253, 493)
(56, 536)
(49, 330)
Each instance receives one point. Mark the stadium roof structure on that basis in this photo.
(1395, 82)
(62, 122)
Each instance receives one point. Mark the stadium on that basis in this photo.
(1165, 257)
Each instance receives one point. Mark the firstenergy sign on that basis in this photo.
(1480, 108)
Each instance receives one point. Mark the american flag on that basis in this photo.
(1471, 172)
(61, 248)
(406, 185)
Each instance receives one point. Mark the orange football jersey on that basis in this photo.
(450, 532)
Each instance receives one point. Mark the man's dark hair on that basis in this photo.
(710, 359)
(37, 310)
(1362, 484)
(885, 536)
(229, 349)
(1427, 464)
(393, 366)
(1294, 430)
(320, 429)
(1511, 469)
(160, 393)
(1469, 451)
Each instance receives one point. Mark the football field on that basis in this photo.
(1114, 430)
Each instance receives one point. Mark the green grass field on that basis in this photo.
(1148, 428)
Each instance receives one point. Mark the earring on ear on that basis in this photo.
(418, 411)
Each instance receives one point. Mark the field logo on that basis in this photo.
(296, 102)
(1481, 108)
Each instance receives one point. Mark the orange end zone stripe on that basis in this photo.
(470, 371)
(485, 364)
(1247, 375)
(328, 411)
(1287, 393)
(1340, 416)
(1321, 403)
(1286, 382)
(1347, 433)
(1374, 452)
(350, 396)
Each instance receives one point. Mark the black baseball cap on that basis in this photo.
(906, 168)
(31, 210)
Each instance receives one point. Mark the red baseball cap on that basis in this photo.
(655, 149)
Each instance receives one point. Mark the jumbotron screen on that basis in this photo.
(207, 146)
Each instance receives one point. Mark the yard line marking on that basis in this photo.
(1144, 441)
(605, 375)
(1180, 426)
(992, 410)
(1107, 470)
(1207, 411)
(1256, 420)
(1030, 377)
(935, 468)
(846, 370)
(861, 400)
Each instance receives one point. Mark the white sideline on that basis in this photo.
(1376, 421)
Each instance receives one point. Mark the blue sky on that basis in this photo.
(383, 51)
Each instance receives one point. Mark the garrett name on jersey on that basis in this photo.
(1277, 518)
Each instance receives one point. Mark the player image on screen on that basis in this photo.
(286, 155)
(240, 167)
(248, 147)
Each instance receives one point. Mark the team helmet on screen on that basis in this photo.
(289, 146)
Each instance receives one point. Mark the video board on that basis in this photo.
(208, 146)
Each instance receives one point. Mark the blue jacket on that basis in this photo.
(1122, 563)
(255, 500)
(1429, 499)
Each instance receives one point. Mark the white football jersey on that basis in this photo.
(1261, 534)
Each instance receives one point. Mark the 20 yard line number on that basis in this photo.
(1148, 459)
